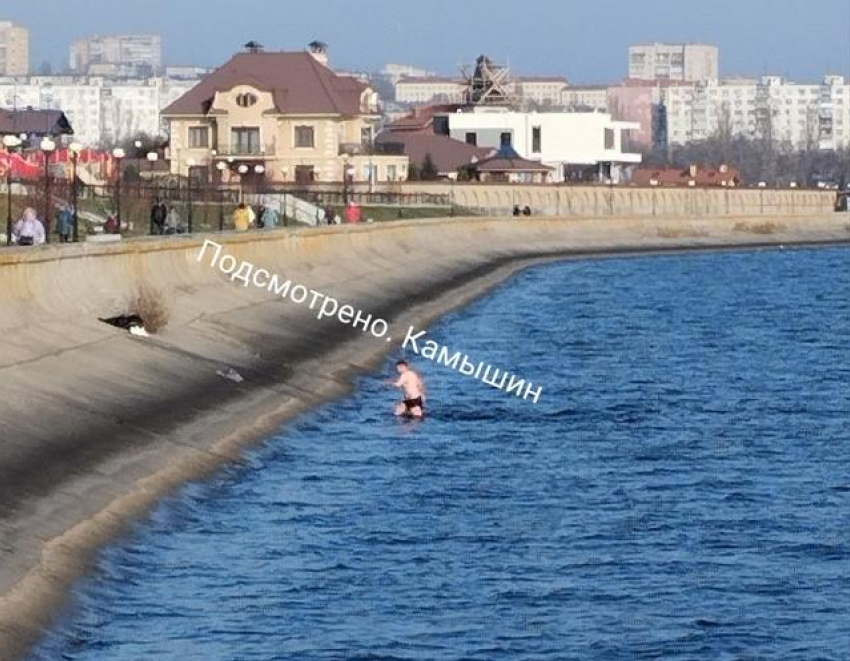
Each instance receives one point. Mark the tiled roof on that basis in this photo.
(40, 122)
(507, 160)
(704, 176)
(297, 81)
(422, 117)
(447, 154)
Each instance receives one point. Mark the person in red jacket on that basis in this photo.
(353, 212)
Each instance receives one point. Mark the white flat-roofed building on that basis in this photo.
(683, 62)
(101, 110)
(560, 140)
(789, 114)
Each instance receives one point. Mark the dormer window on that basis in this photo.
(246, 100)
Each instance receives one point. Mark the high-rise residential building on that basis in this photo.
(14, 49)
(103, 111)
(800, 116)
(129, 55)
(680, 62)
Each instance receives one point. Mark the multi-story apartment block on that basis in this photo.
(790, 114)
(119, 55)
(395, 72)
(681, 62)
(540, 91)
(530, 90)
(585, 97)
(280, 117)
(14, 50)
(102, 111)
(429, 90)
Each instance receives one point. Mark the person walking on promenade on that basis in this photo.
(159, 215)
(111, 224)
(269, 218)
(65, 223)
(173, 221)
(28, 231)
(241, 218)
(353, 212)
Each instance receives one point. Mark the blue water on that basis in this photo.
(681, 491)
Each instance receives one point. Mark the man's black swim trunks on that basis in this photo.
(411, 404)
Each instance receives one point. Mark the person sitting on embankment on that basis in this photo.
(28, 231)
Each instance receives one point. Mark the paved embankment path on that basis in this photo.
(97, 425)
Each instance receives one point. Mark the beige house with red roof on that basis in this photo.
(282, 117)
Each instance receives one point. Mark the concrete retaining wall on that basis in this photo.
(98, 424)
(621, 200)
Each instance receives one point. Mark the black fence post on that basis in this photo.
(220, 210)
(9, 198)
(189, 212)
(75, 196)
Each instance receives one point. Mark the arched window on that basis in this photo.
(246, 100)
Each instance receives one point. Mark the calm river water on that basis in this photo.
(681, 491)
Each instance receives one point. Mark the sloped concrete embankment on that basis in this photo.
(97, 425)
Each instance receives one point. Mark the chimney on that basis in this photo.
(319, 50)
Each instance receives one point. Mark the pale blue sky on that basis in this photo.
(585, 40)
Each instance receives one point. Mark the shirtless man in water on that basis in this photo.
(413, 388)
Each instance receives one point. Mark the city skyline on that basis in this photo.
(565, 43)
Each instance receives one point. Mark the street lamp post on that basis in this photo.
(345, 167)
(242, 170)
(221, 166)
(75, 148)
(10, 142)
(350, 171)
(119, 155)
(653, 183)
(284, 173)
(190, 163)
(47, 149)
(152, 157)
(137, 145)
(260, 171)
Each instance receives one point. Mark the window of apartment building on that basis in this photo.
(609, 138)
(245, 140)
(199, 137)
(305, 137)
(472, 138)
(536, 139)
(505, 139)
(392, 173)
